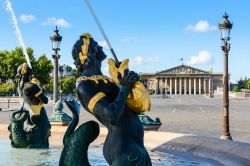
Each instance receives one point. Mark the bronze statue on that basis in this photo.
(24, 73)
(37, 131)
(108, 102)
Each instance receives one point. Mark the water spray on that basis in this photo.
(17, 31)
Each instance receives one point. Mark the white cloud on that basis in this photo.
(104, 44)
(139, 60)
(56, 21)
(105, 67)
(204, 57)
(201, 26)
(27, 18)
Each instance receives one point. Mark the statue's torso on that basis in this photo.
(29, 92)
(122, 135)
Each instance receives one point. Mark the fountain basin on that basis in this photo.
(164, 148)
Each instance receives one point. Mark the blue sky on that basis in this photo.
(153, 34)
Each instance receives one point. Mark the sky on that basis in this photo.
(153, 34)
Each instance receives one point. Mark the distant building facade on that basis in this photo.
(183, 80)
(64, 71)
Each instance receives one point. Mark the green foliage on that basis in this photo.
(69, 85)
(74, 72)
(49, 86)
(241, 84)
(42, 69)
(10, 60)
(236, 88)
(6, 88)
(248, 84)
(3, 67)
(143, 78)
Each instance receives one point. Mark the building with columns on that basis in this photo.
(183, 80)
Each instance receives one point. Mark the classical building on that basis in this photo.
(63, 71)
(183, 80)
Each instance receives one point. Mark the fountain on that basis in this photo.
(17, 30)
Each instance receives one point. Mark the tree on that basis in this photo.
(42, 69)
(10, 60)
(241, 84)
(74, 73)
(236, 88)
(3, 67)
(14, 58)
(248, 84)
(69, 85)
(49, 86)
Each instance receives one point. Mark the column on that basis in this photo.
(161, 87)
(205, 86)
(157, 86)
(180, 88)
(190, 86)
(185, 86)
(195, 86)
(209, 85)
(149, 85)
(170, 86)
(199, 85)
(175, 86)
(166, 84)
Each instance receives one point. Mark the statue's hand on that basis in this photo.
(129, 79)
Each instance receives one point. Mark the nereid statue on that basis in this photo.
(107, 101)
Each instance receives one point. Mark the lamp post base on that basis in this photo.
(226, 137)
(58, 117)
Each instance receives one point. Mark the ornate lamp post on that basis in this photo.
(58, 117)
(56, 41)
(225, 26)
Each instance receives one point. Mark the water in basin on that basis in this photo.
(49, 157)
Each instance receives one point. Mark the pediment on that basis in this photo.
(183, 69)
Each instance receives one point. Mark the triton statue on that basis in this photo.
(115, 102)
(37, 131)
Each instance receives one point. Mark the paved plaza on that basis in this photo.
(194, 114)
(200, 115)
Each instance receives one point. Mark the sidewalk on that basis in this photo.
(181, 145)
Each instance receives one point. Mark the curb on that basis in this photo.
(225, 152)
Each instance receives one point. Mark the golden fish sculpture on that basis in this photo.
(138, 99)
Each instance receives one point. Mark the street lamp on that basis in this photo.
(225, 26)
(58, 117)
(55, 40)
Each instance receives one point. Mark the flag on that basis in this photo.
(181, 59)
